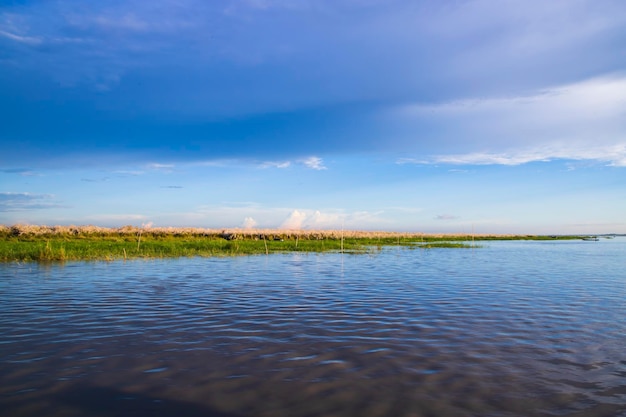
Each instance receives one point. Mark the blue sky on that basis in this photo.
(429, 116)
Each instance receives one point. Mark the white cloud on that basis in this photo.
(591, 100)
(480, 158)
(319, 220)
(331, 219)
(161, 167)
(274, 164)
(314, 162)
(29, 40)
(249, 223)
(294, 221)
(613, 156)
(125, 173)
(273, 217)
(582, 121)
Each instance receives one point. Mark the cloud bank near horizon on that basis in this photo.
(581, 121)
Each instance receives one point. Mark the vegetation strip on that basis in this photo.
(23, 243)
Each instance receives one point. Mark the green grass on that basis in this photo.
(104, 248)
(42, 244)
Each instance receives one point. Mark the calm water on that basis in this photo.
(510, 329)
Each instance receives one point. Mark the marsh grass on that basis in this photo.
(64, 243)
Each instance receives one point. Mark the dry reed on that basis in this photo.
(230, 234)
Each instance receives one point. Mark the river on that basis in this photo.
(513, 328)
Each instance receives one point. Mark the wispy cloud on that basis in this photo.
(273, 164)
(126, 22)
(29, 40)
(610, 155)
(25, 172)
(314, 162)
(582, 121)
(446, 217)
(128, 173)
(168, 168)
(513, 158)
(41, 40)
(27, 201)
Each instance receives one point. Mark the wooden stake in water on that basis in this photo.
(473, 245)
(341, 237)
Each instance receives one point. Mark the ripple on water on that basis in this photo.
(515, 328)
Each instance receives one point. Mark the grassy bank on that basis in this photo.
(24, 243)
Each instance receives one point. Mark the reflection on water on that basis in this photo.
(512, 329)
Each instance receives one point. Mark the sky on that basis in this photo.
(434, 116)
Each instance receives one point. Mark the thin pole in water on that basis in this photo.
(342, 237)
(473, 244)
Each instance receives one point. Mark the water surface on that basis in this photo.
(510, 329)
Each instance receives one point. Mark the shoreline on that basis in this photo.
(39, 243)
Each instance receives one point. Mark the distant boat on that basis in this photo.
(591, 238)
